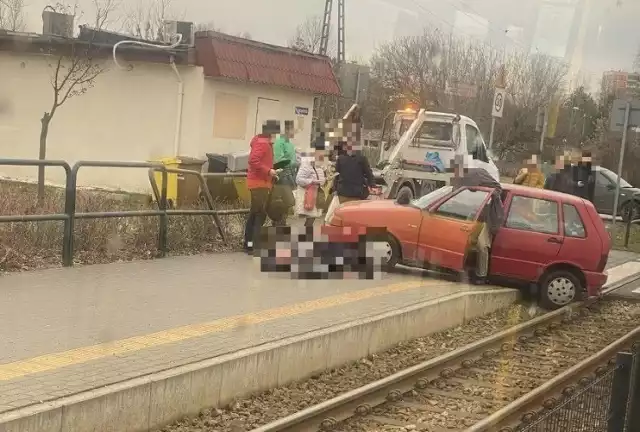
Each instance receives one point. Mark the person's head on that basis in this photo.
(457, 167)
(586, 157)
(289, 129)
(271, 128)
(533, 163)
(320, 149)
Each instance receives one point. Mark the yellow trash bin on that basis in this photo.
(181, 189)
(172, 178)
(244, 196)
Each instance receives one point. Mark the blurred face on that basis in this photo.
(290, 133)
(319, 155)
(560, 161)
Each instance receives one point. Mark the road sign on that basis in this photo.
(618, 113)
(498, 102)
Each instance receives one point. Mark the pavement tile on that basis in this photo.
(145, 305)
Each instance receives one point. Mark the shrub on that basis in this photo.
(30, 245)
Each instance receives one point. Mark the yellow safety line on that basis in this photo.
(81, 355)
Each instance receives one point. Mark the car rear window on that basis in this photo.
(532, 214)
(573, 225)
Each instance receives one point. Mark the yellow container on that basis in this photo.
(240, 184)
(172, 178)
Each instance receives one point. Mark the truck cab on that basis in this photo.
(418, 162)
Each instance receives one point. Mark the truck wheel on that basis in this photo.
(405, 194)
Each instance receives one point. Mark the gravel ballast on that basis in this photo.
(252, 412)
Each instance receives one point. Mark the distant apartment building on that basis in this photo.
(621, 84)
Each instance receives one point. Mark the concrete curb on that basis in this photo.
(150, 402)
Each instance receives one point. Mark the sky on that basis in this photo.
(611, 37)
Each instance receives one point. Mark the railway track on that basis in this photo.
(490, 385)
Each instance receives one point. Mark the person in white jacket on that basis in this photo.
(310, 175)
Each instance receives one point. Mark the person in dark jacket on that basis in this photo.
(354, 174)
(584, 177)
(492, 215)
(563, 179)
(260, 177)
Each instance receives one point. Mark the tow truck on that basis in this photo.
(429, 141)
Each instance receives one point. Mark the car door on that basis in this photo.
(577, 248)
(529, 240)
(448, 227)
(604, 193)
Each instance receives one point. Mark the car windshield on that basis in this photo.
(614, 178)
(426, 200)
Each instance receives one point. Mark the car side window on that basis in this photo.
(463, 205)
(475, 145)
(602, 180)
(573, 226)
(532, 214)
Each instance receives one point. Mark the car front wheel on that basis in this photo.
(387, 247)
(558, 289)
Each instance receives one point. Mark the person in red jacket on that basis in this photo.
(260, 176)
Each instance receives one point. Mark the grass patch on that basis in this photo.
(33, 245)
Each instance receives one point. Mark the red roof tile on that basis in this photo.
(223, 56)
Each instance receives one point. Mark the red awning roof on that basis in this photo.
(223, 56)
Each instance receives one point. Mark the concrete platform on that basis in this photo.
(132, 346)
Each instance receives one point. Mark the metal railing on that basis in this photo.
(163, 213)
(607, 403)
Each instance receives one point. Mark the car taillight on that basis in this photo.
(603, 262)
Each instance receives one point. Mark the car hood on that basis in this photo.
(629, 191)
(374, 205)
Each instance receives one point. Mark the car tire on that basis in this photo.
(392, 249)
(405, 191)
(625, 211)
(558, 288)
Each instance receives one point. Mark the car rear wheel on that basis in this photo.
(388, 247)
(630, 210)
(559, 288)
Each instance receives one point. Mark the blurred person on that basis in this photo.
(285, 159)
(309, 196)
(584, 176)
(531, 175)
(354, 174)
(260, 177)
(562, 179)
(491, 217)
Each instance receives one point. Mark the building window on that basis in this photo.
(230, 114)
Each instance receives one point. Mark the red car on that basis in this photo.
(555, 240)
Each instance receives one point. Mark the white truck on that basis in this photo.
(428, 143)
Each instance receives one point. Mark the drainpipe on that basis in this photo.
(176, 140)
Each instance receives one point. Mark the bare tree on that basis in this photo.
(439, 71)
(145, 19)
(104, 13)
(206, 26)
(73, 73)
(12, 15)
(308, 35)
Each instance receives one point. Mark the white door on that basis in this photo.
(266, 109)
(477, 151)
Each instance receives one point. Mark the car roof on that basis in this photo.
(542, 193)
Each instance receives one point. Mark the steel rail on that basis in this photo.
(360, 401)
(513, 412)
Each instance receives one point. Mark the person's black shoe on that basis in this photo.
(479, 280)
